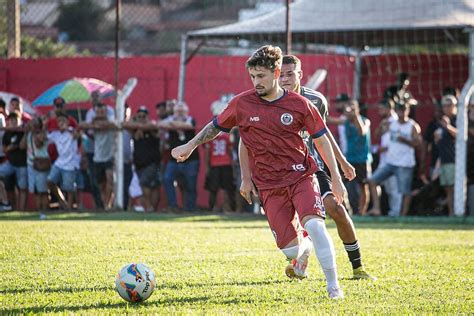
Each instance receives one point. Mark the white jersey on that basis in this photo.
(400, 154)
(385, 139)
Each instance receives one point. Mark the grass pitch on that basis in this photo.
(224, 264)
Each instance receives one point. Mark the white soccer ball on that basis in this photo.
(135, 282)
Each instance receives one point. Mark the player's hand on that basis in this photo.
(338, 190)
(247, 188)
(181, 153)
(348, 170)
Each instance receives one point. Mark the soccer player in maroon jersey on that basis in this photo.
(270, 120)
(290, 79)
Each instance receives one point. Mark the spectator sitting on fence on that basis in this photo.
(62, 176)
(38, 162)
(445, 138)
(16, 158)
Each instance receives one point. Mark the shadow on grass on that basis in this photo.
(409, 222)
(101, 306)
(162, 301)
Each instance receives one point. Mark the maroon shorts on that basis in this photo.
(280, 205)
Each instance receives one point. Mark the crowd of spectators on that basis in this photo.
(56, 159)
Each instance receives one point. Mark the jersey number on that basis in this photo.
(219, 148)
(298, 167)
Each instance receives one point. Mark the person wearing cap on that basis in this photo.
(52, 122)
(404, 138)
(146, 156)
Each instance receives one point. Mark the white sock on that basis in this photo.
(291, 252)
(299, 252)
(324, 249)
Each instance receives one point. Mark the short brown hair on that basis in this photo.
(267, 56)
(291, 60)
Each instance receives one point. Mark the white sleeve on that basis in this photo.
(90, 115)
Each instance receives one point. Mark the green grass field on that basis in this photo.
(223, 264)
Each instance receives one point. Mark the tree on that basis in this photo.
(32, 47)
(80, 20)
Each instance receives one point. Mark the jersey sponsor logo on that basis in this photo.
(286, 118)
(254, 119)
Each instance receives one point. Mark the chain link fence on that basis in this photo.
(78, 38)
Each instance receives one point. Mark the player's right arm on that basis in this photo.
(224, 122)
(246, 187)
(208, 133)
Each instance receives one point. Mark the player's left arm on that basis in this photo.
(323, 145)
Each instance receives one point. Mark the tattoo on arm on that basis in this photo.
(209, 132)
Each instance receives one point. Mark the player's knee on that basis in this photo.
(336, 211)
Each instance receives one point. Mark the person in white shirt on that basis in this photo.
(400, 160)
(62, 176)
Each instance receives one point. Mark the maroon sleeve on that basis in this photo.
(227, 119)
(313, 121)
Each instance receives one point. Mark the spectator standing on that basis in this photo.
(88, 147)
(4, 204)
(62, 177)
(340, 104)
(388, 116)
(146, 157)
(219, 173)
(104, 147)
(445, 139)
(181, 129)
(15, 105)
(401, 160)
(38, 162)
(16, 158)
(470, 157)
(357, 129)
(52, 122)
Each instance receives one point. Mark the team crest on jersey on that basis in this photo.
(286, 118)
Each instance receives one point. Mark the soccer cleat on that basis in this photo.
(335, 293)
(296, 270)
(361, 274)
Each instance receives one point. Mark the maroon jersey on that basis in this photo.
(278, 156)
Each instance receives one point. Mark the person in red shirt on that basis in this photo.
(219, 173)
(52, 122)
(270, 120)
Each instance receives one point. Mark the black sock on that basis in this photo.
(353, 251)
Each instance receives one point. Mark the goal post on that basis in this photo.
(122, 96)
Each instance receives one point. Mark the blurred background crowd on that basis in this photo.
(392, 74)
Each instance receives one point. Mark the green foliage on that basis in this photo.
(226, 265)
(80, 20)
